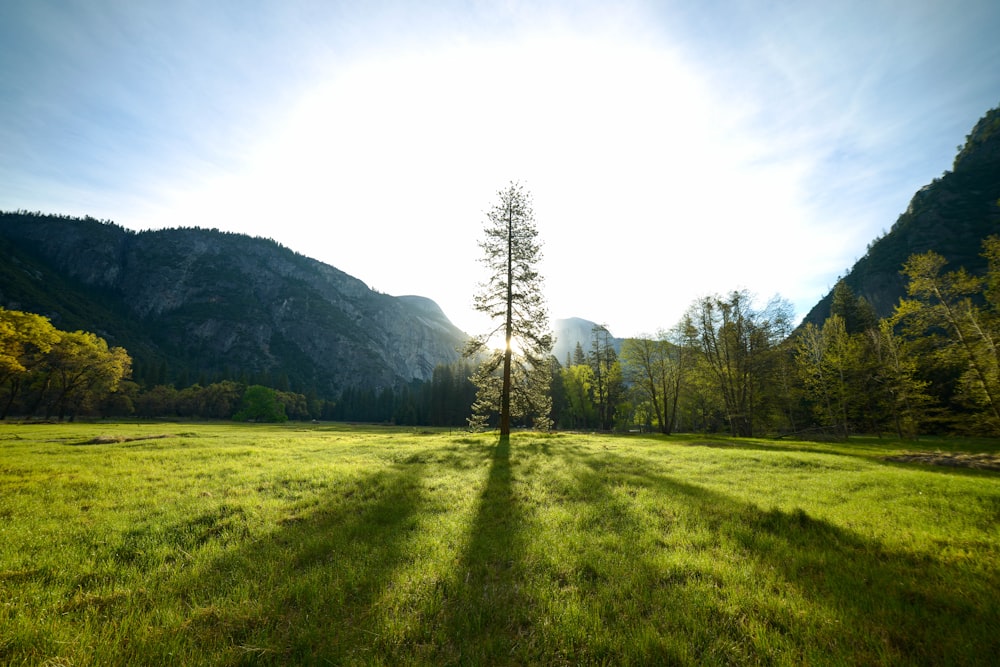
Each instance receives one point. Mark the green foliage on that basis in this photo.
(514, 373)
(738, 344)
(958, 315)
(830, 364)
(443, 401)
(149, 544)
(82, 367)
(608, 388)
(656, 369)
(449, 394)
(25, 340)
(577, 383)
(855, 311)
(261, 404)
(62, 372)
(896, 386)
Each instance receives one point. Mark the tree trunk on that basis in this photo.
(15, 387)
(508, 329)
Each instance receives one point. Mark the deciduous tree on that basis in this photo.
(82, 369)
(903, 395)
(25, 340)
(655, 367)
(261, 404)
(577, 382)
(738, 341)
(828, 360)
(946, 308)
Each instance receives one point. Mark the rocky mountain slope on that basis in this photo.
(951, 216)
(206, 304)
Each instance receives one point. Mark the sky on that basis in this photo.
(673, 149)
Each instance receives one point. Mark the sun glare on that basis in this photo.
(497, 343)
(390, 151)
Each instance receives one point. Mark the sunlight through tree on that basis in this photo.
(513, 379)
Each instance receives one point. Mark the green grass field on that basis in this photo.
(236, 544)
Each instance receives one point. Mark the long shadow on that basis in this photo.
(337, 555)
(836, 448)
(920, 608)
(863, 450)
(915, 603)
(487, 614)
(301, 595)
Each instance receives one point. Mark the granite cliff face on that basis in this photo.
(573, 330)
(216, 303)
(950, 216)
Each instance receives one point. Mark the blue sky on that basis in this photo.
(674, 149)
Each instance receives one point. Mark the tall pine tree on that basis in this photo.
(513, 378)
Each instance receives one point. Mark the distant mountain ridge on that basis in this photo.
(951, 216)
(573, 330)
(206, 303)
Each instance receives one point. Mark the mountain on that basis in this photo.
(951, 216)
(198, 303)
(573, 330)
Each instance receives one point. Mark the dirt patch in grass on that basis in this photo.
(114, 439)
(953, 459)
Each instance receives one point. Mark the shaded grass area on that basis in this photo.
(237, 544)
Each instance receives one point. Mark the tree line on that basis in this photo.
(46, 373)
(720, 368)
(733, 365)
(932, 366)
(729, 365)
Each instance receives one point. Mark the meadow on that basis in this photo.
(229, 544)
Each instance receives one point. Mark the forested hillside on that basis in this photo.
(950, 216)
(196, 305)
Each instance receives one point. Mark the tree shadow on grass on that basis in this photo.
(863, 448)
(304, 594)
(877, 605)
(487, 618)
(314, 591)
(834, 448)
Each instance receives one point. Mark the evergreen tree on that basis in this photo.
(857, 313)
(608, 383)
(513, 379)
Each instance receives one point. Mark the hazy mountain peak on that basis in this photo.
(572, 330)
